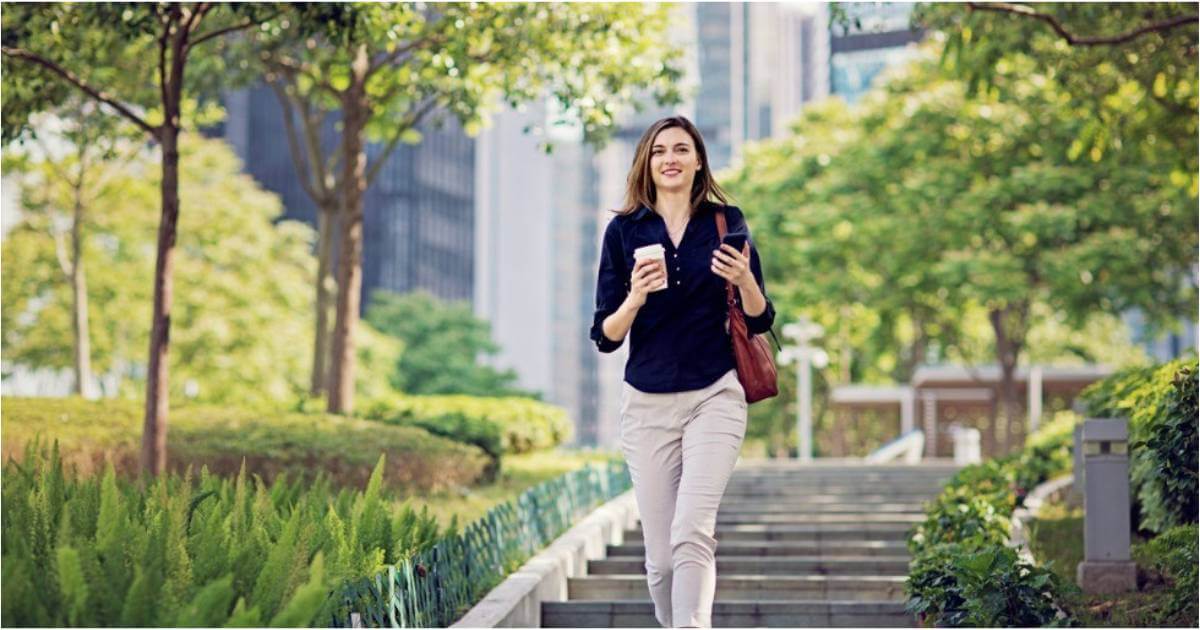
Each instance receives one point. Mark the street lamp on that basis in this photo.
(808, 356)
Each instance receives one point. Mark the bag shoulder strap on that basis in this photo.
(721, 228)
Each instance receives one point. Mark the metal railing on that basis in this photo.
(438, 585)
(909, 446)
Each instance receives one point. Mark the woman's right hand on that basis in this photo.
(648, 273)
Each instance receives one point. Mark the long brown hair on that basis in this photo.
(639, 185)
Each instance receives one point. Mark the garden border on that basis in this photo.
(517, 601)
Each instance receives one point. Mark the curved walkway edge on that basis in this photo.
(517, 601)
(1019, 530)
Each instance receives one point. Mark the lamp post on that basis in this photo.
(807, 356)
(1107, 566)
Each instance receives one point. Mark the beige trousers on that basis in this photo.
(681, 448)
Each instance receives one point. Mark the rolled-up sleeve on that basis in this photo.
(610, 286)
(762, 322)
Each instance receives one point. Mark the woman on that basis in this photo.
(683, 411)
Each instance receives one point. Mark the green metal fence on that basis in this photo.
(437, 586)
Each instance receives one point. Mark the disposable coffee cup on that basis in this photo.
(654, 252)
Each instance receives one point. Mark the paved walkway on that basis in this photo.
(797, 546)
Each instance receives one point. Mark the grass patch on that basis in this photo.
(520, 473)
(1056, 537)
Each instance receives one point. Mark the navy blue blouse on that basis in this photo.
(678, 340)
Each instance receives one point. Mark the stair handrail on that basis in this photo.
(910, 446)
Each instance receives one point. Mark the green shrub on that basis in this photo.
(1047, 454)
(188, 551)
(523, 424)
(1174, 554)
(1171, 444)
(469, 430)
(1160, 404)
(978, 584)
(91, 433)
(959, 514)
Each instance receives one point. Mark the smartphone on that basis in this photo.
(736, 239)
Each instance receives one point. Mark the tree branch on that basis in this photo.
(1075, 40)
(229, 29)
(60, 250)
(395, 55)
(282, 62)
(316, 149)
(303, 170)
(195, 16)
(162, 59)
(70, 77)
(412, 121)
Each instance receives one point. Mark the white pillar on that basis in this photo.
(907, 410)
(930, 418)
(806, 357)
(1035, 397)
(804, 413)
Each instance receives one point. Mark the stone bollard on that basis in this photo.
(1106, 566)
(1076, 495)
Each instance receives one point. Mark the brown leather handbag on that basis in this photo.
(752, 354)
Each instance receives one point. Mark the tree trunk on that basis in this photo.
(1009, 324)
(154, 431)
(79, 303)
(154, 428)
(354, 185)
(326, 290)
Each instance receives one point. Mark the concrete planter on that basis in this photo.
(517, 601)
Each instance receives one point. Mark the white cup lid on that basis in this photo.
(649, 250)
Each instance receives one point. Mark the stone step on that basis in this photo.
(842, 480)
(795, 565)
(758, 507)
(848, 484)
(831, 473)
(847, 465)
(830, 549)
(733, 519)
(731, 614)
(848, 494)
(751, 588)
(846, 478)
(810, 532)
(826, 499)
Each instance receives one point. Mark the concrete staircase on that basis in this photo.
(797, 546)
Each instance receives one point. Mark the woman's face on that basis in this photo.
(673, 160)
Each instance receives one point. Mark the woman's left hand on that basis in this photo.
(733, 266)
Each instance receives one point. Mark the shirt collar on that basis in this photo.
(643, 212)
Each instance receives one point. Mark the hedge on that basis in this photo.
(90, 433)
(496, 425)
(1160, 403)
